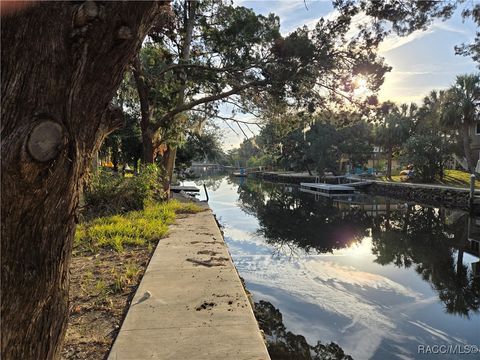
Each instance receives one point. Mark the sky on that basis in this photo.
(421, 62)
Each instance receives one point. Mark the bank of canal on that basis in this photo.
(376, 276)
(190, 303)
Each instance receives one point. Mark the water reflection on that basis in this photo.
(351, 272)
(432, 241)
(285, 345)
(288, 220)
(423, 238)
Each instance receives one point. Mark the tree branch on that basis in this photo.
(187, 106)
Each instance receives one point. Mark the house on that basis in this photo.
(460, 161)
(475, 142)
(377, 161)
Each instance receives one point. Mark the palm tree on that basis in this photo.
(430, 111)
(461, 108)
(393, 130)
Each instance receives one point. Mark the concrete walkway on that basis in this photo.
(190, 303)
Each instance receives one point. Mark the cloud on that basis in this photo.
(441, 25)
(325, 298)
(286, 8)
(393, 42)
(340, 291)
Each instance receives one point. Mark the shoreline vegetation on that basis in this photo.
(109, 259)
(454, 178)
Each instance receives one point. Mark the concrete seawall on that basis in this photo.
(445, 196)
(286, 177)
(191, 303)
(435, 195)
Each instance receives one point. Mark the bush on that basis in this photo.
(428, 153)
(109, 193)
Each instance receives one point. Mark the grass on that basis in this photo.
(136, 228)
(110, 256)
(456, 178)
(126, 277)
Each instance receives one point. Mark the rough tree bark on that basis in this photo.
(168, 162)
(149, 143)
(61, 64)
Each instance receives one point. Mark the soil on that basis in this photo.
(101, 288)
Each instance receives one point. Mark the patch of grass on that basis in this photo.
(101, 287)
(125, 278)
(185, 208)
(395, 178)
(456, 178)
(135, 228)
(131, 271)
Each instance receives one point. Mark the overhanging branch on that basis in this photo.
(190, 105)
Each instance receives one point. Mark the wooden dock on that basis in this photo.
(177, 189)
(327, 189)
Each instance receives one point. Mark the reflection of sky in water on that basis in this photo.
(371, 311)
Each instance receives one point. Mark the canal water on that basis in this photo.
(380, 278)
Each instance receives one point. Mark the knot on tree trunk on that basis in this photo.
(85, 13)
(45, 141)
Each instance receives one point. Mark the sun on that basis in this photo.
(360, 86)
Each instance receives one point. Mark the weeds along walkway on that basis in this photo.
(190, 303)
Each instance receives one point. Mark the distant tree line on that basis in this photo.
(425, 135)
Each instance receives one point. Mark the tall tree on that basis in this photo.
(356, 143)
(428, 152)
(461, 109)
(392, 131)
(61, 65)
(224, 53)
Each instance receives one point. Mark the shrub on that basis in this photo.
(428, 153)
(109, 193)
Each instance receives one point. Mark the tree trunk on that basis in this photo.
(95, 163)
(145, 110)
(169, 165)
(389, 163)
(466, 148)
(150, 147)
(61, 65)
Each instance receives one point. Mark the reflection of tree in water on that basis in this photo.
(422, 237)
(212, 182)
(284, 345)
(296, 219)
(419, 237)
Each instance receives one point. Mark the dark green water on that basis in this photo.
(380, 278)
